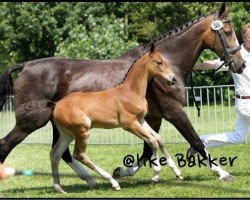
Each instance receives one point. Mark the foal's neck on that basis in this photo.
(138, 77)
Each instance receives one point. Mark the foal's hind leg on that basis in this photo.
(55, 156)
(74, 164)
(80, 155)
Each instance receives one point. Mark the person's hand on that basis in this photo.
(3, 173)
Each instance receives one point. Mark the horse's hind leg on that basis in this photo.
(29, 117)
(80, 155)
(16, 136)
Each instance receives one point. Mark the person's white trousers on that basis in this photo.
(241, 128)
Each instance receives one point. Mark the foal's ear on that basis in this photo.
(223, 11)
(152, 48)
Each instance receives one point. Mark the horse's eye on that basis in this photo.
(228, 33)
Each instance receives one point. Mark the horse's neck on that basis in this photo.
(137, 77)
(133, 54)
(183, 49)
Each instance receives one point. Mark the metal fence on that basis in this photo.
(217, 115)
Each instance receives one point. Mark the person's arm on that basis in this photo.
(211, 65)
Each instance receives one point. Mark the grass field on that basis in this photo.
(197, 183)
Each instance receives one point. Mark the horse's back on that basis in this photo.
(52, 78)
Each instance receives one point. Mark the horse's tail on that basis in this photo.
(6, 84)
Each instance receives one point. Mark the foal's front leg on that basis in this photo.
(137, 129)
(119, 172)
(163, 148)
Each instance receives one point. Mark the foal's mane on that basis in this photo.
(132, 66)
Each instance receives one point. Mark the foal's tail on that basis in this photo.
(6, 84)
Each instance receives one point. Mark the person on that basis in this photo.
(242, 99)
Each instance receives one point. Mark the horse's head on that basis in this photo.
(159, 67)
(221, 38)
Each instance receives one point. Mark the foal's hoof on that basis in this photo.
(58, 189)
(154, 182)
(227, 178)
(117, 188)
(117, 172)
(179, 177)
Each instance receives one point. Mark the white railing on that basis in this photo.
(217, 115)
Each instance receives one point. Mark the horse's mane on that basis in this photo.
(176, 31)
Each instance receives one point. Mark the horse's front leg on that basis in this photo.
(180, 120)
(170, 102)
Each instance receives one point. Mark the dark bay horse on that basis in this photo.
(124, 106)
(53, 78)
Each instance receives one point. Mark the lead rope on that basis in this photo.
(192, 90)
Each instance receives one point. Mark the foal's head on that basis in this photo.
(159, 67)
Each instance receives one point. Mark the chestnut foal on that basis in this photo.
(122, 106)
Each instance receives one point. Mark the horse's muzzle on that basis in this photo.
(237, 66)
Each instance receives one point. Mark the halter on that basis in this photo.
(217, 25)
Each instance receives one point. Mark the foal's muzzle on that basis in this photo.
(171, 80)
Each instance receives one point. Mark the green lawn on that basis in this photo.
(198, 182)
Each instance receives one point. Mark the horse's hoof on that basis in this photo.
(179, 177)
(117, 172)
(117, 188)
(92, 184)
(190, 152)
(227, 178)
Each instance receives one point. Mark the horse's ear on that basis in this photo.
(223, 11)
(152, 48)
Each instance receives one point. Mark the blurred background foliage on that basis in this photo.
(98, 30)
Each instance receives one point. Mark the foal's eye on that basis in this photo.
(158, 62)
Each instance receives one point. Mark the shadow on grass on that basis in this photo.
(130, 183)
